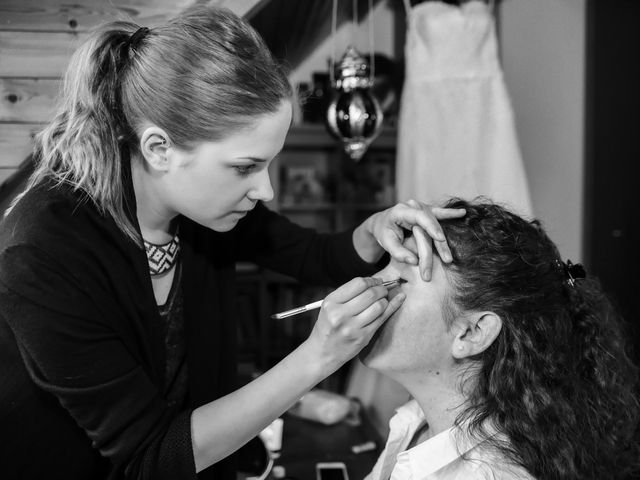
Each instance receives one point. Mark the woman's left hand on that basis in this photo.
(385, 230)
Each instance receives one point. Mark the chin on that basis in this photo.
(221, 225)
(372, 354)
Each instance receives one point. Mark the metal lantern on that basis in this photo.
(354, 115)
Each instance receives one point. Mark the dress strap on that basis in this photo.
(407, 6)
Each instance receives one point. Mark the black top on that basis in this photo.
(82, 349)
(172, 315)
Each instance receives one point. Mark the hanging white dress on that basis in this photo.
(456, 133)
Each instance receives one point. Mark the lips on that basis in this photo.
(244, 212)
(241, 212)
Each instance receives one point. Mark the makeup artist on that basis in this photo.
(116, 364)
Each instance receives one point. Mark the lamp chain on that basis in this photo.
(334, 22)
(372, 63)
(334, 27)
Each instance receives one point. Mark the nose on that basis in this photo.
(262, 189)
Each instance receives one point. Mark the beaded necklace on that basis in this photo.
(162, 258)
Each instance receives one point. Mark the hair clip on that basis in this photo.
(571, 271)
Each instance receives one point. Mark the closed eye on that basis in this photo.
(244, 170)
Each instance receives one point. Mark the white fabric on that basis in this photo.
(439, 457)
(456, 133)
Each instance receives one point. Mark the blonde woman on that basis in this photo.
(117, 334)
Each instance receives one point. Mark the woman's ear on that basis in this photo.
(477, 333)
(154, 146)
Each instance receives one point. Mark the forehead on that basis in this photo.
(265, 124)
(264, 129)
(263, 136)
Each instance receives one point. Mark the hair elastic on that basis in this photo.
(136, 38)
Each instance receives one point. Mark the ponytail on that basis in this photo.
(82, 146)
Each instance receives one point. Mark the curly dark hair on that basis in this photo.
(557, 380)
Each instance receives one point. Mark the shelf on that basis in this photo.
(315, 136)
(311, 207)
(308, 207)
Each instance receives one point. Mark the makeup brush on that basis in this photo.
(318, 304)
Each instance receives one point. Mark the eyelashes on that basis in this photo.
(244, 170)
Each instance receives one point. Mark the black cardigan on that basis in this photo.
(81, 349)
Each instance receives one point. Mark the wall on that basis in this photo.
(543, 55)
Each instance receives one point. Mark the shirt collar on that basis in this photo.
(435, 453)
(409, 414)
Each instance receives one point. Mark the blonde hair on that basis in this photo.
(201, 76)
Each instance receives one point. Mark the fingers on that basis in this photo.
(389, 232)
(392, 243)
(427, 217)
(425, 252)
(445, 213)
(363, 307)
(390, 308)
(367, 299)
(339, 334)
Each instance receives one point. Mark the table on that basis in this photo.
(304, 443)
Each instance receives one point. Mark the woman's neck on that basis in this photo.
(439, 398)
(154, 218)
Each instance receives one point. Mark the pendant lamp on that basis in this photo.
(354, 115)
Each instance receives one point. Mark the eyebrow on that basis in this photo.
(255, 159)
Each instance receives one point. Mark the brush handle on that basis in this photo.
(318, 304)
(298, 310)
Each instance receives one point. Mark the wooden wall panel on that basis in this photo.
(27, 99)
(80, 16)
(36, 54)
(16, 142)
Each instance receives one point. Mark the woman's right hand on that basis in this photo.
(349, 317)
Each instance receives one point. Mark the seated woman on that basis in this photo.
(515, 361)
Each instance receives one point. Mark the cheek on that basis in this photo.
(211, 189)
(404, 331)
(420, 322)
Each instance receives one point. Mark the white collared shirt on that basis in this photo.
(439, 457)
